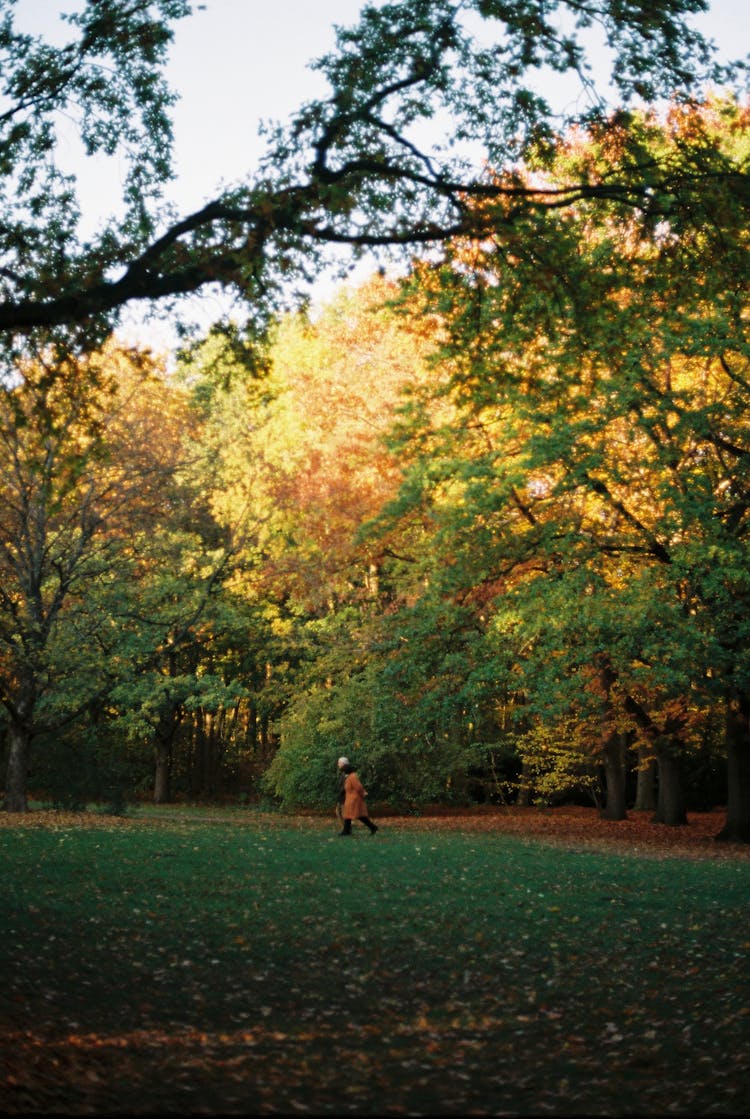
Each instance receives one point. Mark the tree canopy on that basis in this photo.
(583, 456)
(422, 94)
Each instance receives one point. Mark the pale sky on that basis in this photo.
(238, 63)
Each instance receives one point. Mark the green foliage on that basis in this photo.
(107, 81)
(330, 714)
(314, 735)
(403, 713)
(353, 168)
(108, 557)
(577, 469)
(569, 543)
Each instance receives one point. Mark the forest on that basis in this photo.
(479, 522)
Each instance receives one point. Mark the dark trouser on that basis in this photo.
(347, 829)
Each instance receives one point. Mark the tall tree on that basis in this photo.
(603, 355)
(299, 462)
(88, 488)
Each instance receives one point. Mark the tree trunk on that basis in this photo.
(645, 793)
(163, 774)
(19, 744)
(613, 759)
(523, 797)
(667, 744)
(670, 804)
(737, 824)
(164, 731)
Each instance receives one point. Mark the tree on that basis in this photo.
(338, 379)
(596, 362)
(90, 509)
(353, 169)
(300, 461)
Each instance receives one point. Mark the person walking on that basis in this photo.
(355, 800)
(342, 764)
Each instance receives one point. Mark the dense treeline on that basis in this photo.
(563, 572)
(483, 529)
(481, 526)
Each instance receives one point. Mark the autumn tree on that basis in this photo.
(596, 479)
(421, 94)
(371, 683)
(299, 463)
(93, 526)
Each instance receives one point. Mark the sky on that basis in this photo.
(241, 61)
(236, 63)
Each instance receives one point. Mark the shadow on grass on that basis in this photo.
(187, 966)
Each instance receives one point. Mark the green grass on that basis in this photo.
(183, 965)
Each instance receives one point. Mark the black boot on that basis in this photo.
(369, 824)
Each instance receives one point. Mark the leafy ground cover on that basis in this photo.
(494, 963)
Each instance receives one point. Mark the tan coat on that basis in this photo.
(354, 798)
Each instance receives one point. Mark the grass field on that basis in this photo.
(260, 965)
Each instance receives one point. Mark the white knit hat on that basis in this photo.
(343, 762)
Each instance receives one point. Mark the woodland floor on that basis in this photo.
(578, 826)
(567, 825)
